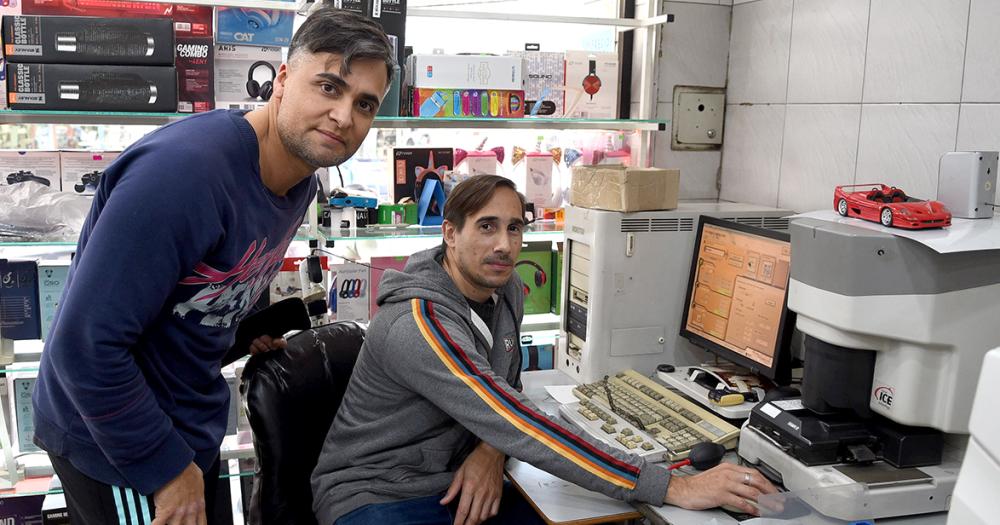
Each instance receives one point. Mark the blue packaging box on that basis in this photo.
(253, 27)
(51, 281)
(19, 300)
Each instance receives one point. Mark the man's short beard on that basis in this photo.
(298, 147)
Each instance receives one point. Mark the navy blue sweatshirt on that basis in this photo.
(181, 240)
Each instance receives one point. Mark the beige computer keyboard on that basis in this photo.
(664, 416)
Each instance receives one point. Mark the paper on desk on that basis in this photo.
(562, 393)
(964, 235)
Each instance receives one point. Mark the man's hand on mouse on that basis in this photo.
(266, 343)
(726, 484)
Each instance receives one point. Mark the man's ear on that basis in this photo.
(279, 82)
(448, 231)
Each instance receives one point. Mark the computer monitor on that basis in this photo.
(736, 304)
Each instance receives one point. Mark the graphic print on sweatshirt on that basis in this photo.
(226, 295)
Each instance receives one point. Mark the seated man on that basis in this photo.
(434, 404)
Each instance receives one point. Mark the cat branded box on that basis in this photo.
(82, 170)
(253, 27)
(92, 88)
(412, 166)
(30, 167)
(88, 40)
(534, 267)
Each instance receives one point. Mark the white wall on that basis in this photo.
(694, 50)
(828, 92)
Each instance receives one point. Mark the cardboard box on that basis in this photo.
(253, 27)
(232, 71)
(189, 20)
(88, 40)
(619, 188)
(476, 103)
(591, 85)
(92, 88)
(33, 166)
(82, 170)
(51, 283)
(195, 74)
(19, 300)
(379, 266)
(411, 166)
(545, 76)
(534, 266)
(465, 71)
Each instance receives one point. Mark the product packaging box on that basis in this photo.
(537, 357)
(82, 170)
(6, 9)
(189, 20)
(379, 266)
(22, 510)
(32, 166)
(92, 88)
(352, 284)
(254, 27)
(19, 316)
(465, 71)
(480, 103)
(54, 511)
(195, 62)
(557, 273)
(591, 85)
(534, 266)
(24, 421)
(538, 188)
(233, 71)
(390, 14)
(544, 78)
(51, 282)
(412, 166)
(88, 40)
(620, 188)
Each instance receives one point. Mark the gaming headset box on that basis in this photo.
(534, 266)
(195, 79)
(88, 40)
(244, 75)
(92, 88)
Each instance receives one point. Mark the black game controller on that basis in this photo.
(20, 176)
(88, 181)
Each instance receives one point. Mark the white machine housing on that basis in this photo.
(974, 501)
(625, 282)
(967, 183)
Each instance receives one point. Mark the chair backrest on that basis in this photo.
(291, 397)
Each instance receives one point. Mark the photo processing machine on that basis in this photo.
(895, 335)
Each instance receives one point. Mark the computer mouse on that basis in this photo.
(706, 455)
(781, 393)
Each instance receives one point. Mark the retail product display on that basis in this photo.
(591, 85)
(390, 14)
(261, 90)
(26, 176)
(256, 27)
(465, 72)
(544, 82)
(480, 103)
(413, 166)
(19, 300)
(534, 267)
(51, 281)
(91, 88)
(82, 170)
(195, 59)
(619, 188)
(88, 40)
(352, 288)
(889, 206)
(33, 166)
(241, 73)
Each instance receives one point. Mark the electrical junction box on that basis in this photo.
(698, 118)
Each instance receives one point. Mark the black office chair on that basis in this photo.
(291, 397)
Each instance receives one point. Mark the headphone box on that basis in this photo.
(88, 40)
(235, 70)
(411, 166)
(82, 170)
(967, 183)
(534, 267)
(545, 76)
(557, 273)
(92, 87)
(591, 85)
(195, 59)
(30, 167)
(253, 27)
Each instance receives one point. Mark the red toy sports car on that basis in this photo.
(890, 206)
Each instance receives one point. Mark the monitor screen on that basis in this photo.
(736, 296)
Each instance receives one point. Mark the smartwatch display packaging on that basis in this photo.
(352, 288)
(544, 77)
(591, 85)
(465, 71)
(88, 40)
(92, 88)
(30, 167)
(411, 166)
(195, 61)
(232, 71)
(19, 300)
(474, 103)
(82, 170)
(51, 282)
(254, 27)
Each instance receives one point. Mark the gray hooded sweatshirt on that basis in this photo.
(431, 381)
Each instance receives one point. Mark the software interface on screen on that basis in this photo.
(739, 292)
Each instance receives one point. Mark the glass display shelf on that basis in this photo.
(534, 232)
(10, 116)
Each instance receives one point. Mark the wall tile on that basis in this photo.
(751, 154)
(819, 152)
(758, 56)
(827, 61)
(695, 47)
(982, 61)
(979, 128)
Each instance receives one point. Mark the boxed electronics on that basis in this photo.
(234, 69)
(390, 14)
(88, 40)
(620, 188)
(352, 286)
(22, 509)
(51, 282)
(19, 387)
(482, 103)
(591, 85)
(195, 79)
(7, 8)
(544, 78)
(19, 300)
(255, 27)
(189, 20)
(82, 170)
(412, 166)
(92, 88)
(557, 271)
(465, 71)
(534, 266)
(37, 166)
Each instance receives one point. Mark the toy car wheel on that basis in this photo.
(842, 207)
(886, 217)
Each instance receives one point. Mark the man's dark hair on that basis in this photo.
(345, 33)
(472, 194)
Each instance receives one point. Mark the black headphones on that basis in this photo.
(263, 91)
(540, 277)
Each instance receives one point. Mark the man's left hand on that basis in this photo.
(480, 481)
(266, 343)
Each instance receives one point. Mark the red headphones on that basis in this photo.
(592, 82)
(540, 277)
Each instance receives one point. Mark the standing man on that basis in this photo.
(188, 227)
(434, 402)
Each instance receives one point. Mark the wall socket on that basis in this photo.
(698, 117)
